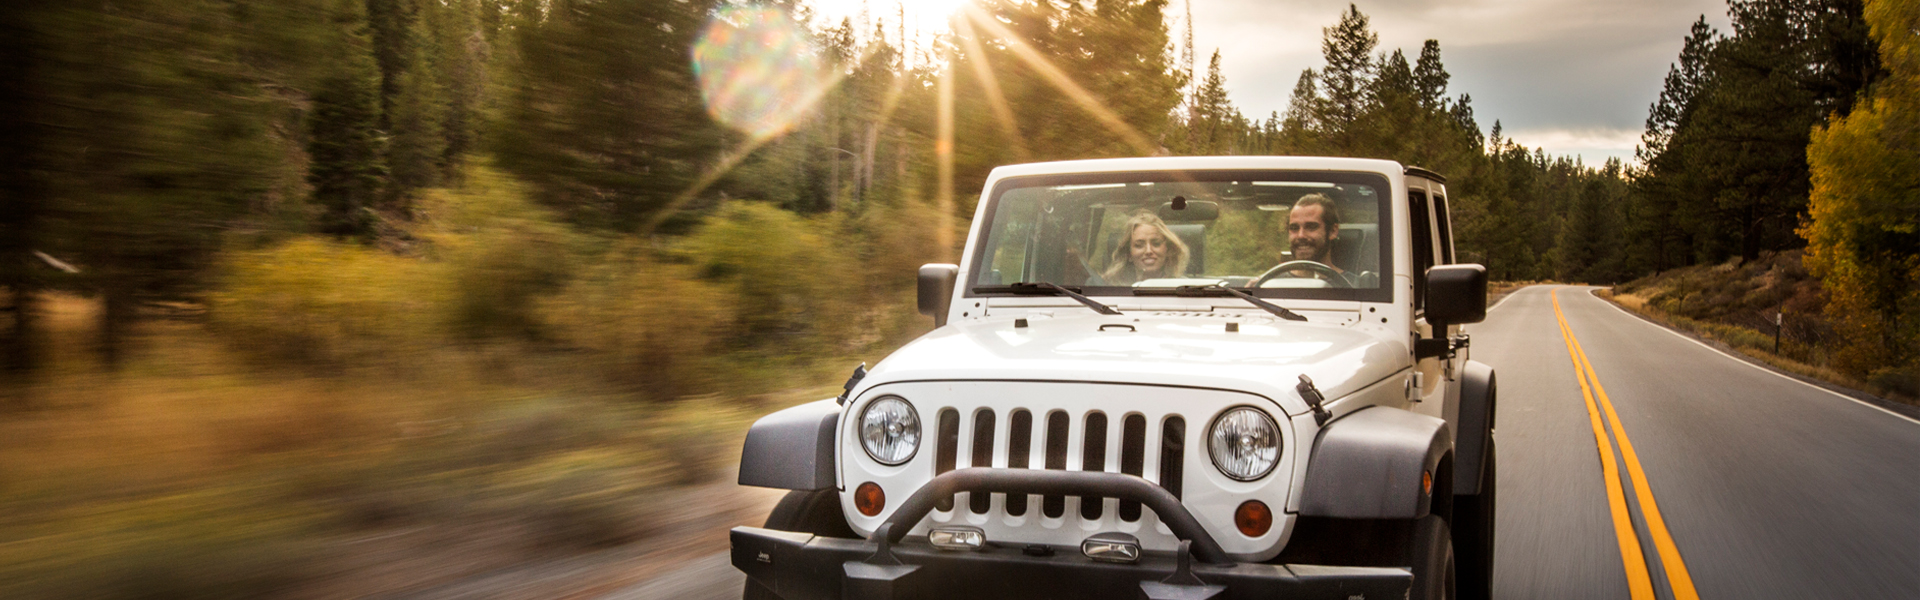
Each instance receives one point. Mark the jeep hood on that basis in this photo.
(1266, 356)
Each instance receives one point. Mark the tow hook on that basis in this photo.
(880, 576)
(1182, 584)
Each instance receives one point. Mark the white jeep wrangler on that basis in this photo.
(1193, 377)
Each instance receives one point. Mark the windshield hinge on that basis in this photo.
(859, 373)
(1314, 399)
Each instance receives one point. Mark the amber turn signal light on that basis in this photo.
(868, 499)
(1253, 518)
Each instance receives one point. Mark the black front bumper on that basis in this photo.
(801, 566)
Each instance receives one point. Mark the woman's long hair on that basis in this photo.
(1120, 269)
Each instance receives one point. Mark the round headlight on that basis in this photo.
(889, 430)
(1244, 443)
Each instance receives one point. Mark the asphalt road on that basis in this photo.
(1769, 488)
(1764, 487)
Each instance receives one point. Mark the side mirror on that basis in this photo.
(936, 290)
(1456, 294)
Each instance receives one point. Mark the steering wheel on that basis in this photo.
(1328, 273)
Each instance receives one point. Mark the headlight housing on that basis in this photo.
(1244, 443)
(890, 430)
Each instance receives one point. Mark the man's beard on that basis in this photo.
(1307, 251)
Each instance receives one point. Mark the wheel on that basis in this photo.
(1332, 276)
(816, 512)
(1473, 534)
(1423, 545)
(755, 591)
(1431, 556)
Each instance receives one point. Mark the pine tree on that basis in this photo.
(1430, 78)
(345, 145)
(460, 56)
(161, 146)
(1301, 127)
(1213, 111)
(1348, 49)
(605, 119)
(24, 196)
(415, 118)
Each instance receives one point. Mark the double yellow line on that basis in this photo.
(1639, 583)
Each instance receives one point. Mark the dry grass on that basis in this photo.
(1746, 341)
(196, 473)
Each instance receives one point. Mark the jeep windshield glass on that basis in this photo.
(1274, 234)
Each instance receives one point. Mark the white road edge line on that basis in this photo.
(1743, 361)
(1503, 299)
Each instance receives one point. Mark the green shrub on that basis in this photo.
(316, 300)
(647, 325)
(501, 253)
(791, 282)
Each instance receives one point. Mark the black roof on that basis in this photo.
(1427, 174)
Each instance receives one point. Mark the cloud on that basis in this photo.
(1593, 145)
(1532, 64)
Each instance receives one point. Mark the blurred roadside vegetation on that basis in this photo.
(508, 373)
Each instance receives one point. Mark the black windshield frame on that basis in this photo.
(1384, 195)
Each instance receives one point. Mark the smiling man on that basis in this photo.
(1312, 226)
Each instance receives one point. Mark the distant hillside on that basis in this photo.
(1746, 295)
(1737, 304)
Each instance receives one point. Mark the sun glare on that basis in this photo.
(925, 19)
(758, 71)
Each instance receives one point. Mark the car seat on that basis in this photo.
(1357, 248)
(1195, 237)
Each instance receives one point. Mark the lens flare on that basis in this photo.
(758, 70)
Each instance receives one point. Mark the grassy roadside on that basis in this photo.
(194, 472)
(1747, 342)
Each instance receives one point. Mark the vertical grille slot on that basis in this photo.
(982, 456)
(1093, 455)
(1173, 447)
(1019, 447)
(1056, 506)
(947, 444)
(1133, 455)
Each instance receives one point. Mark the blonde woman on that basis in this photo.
(1150, 251)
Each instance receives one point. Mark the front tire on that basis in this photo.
(816, 512)
(1473, 534)
(1431, 555)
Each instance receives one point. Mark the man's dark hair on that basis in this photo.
(1329, 212)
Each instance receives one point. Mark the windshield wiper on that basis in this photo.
(1217, 290)
(1044, 288)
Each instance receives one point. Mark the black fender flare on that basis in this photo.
(1475, 426)
(1369, 465)
(792, 449)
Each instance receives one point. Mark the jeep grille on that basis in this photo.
(1055, 435)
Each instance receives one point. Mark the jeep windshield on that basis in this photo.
(1273, 234)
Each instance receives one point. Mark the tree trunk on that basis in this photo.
(866, 160)
(116, 318)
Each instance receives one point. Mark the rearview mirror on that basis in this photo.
(1182, 210)
(936, 290)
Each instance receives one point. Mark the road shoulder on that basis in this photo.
(1900, 409)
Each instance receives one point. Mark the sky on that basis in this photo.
(1574, 77)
